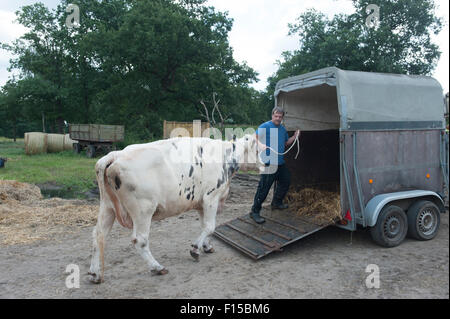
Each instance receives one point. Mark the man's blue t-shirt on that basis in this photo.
(275, 137)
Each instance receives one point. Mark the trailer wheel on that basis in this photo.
(76, 148)
(391, 227)
(90, 151)
(423, 220)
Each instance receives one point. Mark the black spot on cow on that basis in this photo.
(234, 147)
(200, 151)
(175, 146)
(118, 182)
(212, 190)
(191, 171)
(188, 196)
(233, 167)
(108, 165)
(221, 181)
(179, 193)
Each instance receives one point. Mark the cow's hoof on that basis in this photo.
(94, 278)
(195, 255)
(208, 251)
(161, 272)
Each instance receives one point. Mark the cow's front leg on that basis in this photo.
(207, 247)
(208, 226)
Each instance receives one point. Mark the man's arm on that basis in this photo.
(292, 139)
(261, 146)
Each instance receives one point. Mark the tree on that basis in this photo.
(164, 58)
(10, 106)
(130, 62)
(400, 44)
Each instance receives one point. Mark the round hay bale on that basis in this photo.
(68, 142)
(35, 143)
(55, 143)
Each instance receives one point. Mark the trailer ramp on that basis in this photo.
(281, 228)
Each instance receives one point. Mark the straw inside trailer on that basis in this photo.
(315, 177)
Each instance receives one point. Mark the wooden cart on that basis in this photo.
(95, 136)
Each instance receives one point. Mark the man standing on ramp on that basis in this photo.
(272, 137)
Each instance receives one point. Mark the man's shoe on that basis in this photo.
(279, 206)
(257, 218)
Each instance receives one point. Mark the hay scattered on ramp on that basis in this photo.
(323, 207)
(25, 217)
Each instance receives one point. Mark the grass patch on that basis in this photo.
(75, 172)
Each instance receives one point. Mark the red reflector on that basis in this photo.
(348, 216)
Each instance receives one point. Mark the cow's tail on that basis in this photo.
(107, 178)
(107, 194)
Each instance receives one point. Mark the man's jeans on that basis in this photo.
(283, 178)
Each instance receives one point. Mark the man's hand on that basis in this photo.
(261, 147)
(292, 138)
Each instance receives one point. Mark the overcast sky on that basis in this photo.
(259, 33)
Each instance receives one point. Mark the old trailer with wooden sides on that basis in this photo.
(93, 137)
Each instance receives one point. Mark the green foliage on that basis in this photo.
(131, 62)
(400, 44)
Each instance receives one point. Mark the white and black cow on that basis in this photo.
(149, 182)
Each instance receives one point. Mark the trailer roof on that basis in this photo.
(374, 97)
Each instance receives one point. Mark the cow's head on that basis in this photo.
(249, 160)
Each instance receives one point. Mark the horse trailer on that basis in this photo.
(377, 139)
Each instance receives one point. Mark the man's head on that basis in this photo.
(277, 115)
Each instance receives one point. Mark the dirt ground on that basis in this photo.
(328, 264)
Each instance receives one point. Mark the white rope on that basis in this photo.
(296, 141)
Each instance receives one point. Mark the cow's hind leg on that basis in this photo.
(143, 211)
(105, 221)
(208, 226)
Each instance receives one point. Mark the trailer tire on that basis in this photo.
(391, 227)
(76, 148)
(90, 151)
(423, 220)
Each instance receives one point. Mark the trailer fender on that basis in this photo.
(376, 204)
